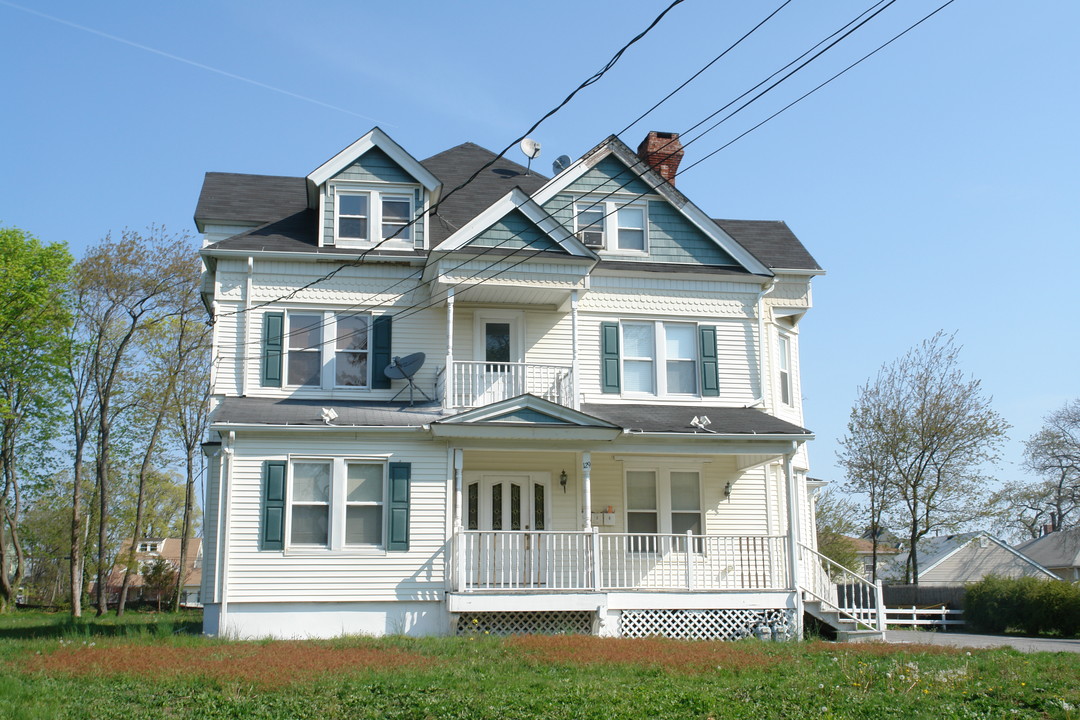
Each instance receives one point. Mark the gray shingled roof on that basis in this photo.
(249, 198)
(455, 166)
(1057, 549)
(676, 419)
(771, 242)
(269, 411)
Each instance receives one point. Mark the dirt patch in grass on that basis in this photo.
(267, 664)
(681, 656)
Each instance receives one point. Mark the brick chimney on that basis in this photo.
(662, 151)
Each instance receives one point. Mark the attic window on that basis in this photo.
(148, 547)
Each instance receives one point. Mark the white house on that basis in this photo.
(604, 432)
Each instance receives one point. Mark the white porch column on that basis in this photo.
(794, 537)
(575, 400)
(459, 539)
(586, 490)
(448, 385)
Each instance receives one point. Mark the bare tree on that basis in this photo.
(932, 429)
(1053, 500)
(127, 286)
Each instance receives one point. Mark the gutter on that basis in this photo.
(232, 427)
(794, 437)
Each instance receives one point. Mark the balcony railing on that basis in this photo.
(481, 383)
(512, 561)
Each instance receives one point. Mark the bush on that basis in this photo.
(1032, 605)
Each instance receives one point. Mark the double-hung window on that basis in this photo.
(612, 226)
(660, 358)
(665, 501)
(336, 503)
(783, 361)
(369, 214)
(346, 338)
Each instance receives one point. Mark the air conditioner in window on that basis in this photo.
(591, 238)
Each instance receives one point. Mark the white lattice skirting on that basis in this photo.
(578, 622)
(733, 624)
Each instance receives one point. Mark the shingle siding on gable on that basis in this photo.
(609, 175)
(561, 207)
(374, 166)
(513, 232)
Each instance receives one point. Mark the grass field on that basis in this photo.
(156, 666)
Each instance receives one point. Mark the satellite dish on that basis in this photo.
(530, 147)
(403, 368)
(561, 163)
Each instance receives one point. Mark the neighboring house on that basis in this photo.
(864, 549)
(147, 551)
(965, 558)
(614, 441)
(1058, 551)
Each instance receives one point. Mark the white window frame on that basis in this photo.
(376, 194)
(660, 359)
(609, 225)
(663, 471)
(338, 504)
(784, 384)
(327, 350)
(405, 237)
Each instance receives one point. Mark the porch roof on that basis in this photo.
(676, 419)
(274, 412)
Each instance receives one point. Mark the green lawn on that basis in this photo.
(156, 666)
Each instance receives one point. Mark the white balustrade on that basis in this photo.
(481, 383)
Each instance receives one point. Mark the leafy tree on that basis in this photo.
(931, 429)
(34, 317)
(159, 580)
(125, 287)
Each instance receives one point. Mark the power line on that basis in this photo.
(406, 311)
(595, 77)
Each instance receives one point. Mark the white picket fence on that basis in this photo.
(916, 616)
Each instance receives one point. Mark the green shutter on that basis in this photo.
(380, 351)
(710, 363)
(273, 337)
(398, 535)
(272, 533)
(609, 356)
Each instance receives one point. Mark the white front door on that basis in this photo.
(498, 344)
(498, 503)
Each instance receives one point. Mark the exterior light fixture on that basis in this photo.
(727, 489)
(562, 480)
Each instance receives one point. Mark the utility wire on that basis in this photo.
(595, 77)
(406, 311)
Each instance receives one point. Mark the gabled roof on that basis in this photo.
(1057, 549)
(933, 551)
(456, 165)
(375, 138)
(527, 409)
(612, 146)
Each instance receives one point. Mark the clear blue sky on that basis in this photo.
(937, 182)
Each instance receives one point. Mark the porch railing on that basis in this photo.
(841, 590)
(507, 561)
(481, 383)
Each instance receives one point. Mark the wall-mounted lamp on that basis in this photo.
(562, 480)
(727, 490)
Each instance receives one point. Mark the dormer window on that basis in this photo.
(352, 216)
(396, 214)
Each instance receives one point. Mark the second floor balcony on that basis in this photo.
(478, 383)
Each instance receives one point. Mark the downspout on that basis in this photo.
(794, 536)
(225, 535)
(458, 570)
(760, 308)
(243, 355)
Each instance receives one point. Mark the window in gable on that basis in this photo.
(597, 223)
(396, 214)
(589, 220)
(631, 228)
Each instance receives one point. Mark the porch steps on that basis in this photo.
(846, 630)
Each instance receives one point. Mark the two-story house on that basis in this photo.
(451, 395)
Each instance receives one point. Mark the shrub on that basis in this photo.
(1033, 605)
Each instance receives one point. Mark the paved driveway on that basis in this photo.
(982, 641)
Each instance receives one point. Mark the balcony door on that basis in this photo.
(499, 346)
